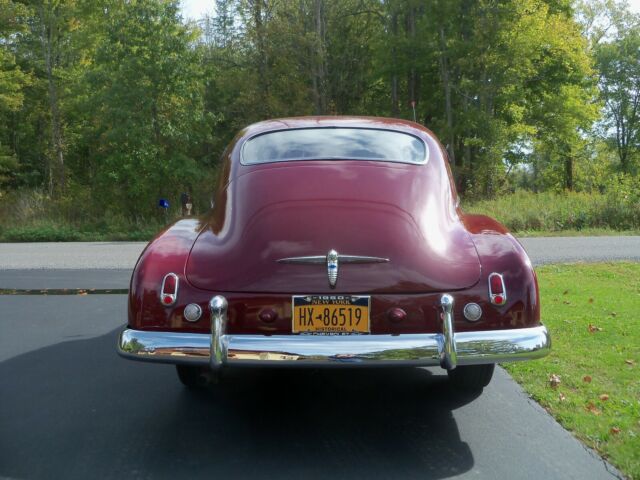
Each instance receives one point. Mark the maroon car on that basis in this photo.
(338, 242)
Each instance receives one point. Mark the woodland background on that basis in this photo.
(105, 107)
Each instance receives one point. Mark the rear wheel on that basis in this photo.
(471, 377)
(193, 377)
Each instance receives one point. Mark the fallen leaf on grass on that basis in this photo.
(593, 409)
(615, 430)
(604, 397)
(567, 302)
(565, 292)
(593, 328)
(629, 362)
(562, 397)
(554, 380)
(613, 314)
(586, 379)
(591, 300)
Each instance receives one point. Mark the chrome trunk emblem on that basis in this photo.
(332, 267)
(332, 260)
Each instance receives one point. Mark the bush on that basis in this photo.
(41, 233)
(31, 216)
(618, 209)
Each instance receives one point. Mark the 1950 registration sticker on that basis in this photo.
(331, 314)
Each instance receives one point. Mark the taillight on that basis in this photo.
(497, 292)
(169, 290)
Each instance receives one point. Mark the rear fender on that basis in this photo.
(500, 252)
(166, 253)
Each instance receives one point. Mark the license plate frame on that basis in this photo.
(341, 318)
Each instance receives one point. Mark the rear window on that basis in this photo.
(328, 143)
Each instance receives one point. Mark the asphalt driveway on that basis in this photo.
(71, 408)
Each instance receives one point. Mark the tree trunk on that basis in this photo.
(444, 72)
(320, 67)
(57, 179)
(395, 110)
(568, 172)
(626, 129)
(263, 60)
(412, 80)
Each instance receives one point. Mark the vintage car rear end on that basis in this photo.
(335, 241)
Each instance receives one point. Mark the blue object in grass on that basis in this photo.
(163, 203)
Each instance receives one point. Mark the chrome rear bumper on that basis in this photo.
(446, 349)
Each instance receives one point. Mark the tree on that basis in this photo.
(12, 83)
(618, 62)
(147, 104)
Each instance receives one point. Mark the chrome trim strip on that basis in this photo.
(311, 260)
(361, 259)
(218, 309)
(333, 259)
(448, 356)
(491, 346)
(317, 259)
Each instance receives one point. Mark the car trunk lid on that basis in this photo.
(353, 208)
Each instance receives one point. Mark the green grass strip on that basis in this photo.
(591, 381)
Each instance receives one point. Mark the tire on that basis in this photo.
(471, 377)
(192, 377)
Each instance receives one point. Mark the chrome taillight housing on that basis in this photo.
(497, 290)
(169, 290)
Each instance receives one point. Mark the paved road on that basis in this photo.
(582, 249)
(123, 255)
(109, 264)
(70, 255)
(70, 408)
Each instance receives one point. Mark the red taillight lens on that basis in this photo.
(169, 289)
(497, 291)
(496, 284)
(170, 283)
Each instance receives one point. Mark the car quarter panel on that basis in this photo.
(500, 252)
(166, 253)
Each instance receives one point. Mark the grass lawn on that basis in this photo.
(587, 232)
(591, 381)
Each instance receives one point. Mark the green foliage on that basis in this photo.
(32, 216)
(13, 81)
(12, 78)
(619, 66)
(591, 311)
(148, 96)
(105, 108)
(521, 212)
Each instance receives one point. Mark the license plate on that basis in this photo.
(331, 314)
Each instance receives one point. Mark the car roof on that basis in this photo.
(335, 121)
